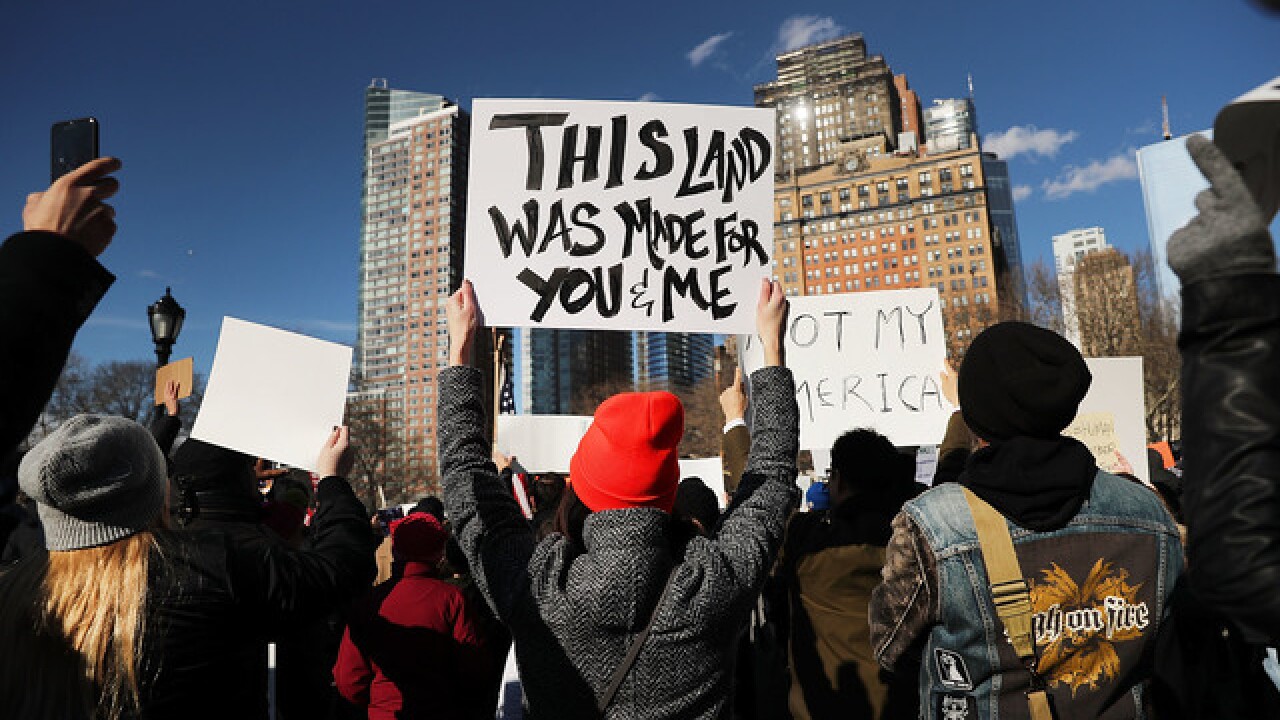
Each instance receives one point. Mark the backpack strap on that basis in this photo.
(620, 673)
(1011, 594)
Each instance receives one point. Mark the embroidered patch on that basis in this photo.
(956, 706)
(952, 672)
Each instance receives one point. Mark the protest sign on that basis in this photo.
(542, 443)
(619, 216)
(1097, 430)
(870, 359)
(1116, 391)
(709, 470)
(926, 464)
(273, 394)
(179, 371)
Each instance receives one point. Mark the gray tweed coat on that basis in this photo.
(572, 615)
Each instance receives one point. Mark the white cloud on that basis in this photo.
(649, 97)
(800, 30)
(1021, 192)
(1027, 140)
(148, 274)
(1092, 176)
(327, 326)
(698, 55)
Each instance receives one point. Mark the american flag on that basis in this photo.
(507, 395)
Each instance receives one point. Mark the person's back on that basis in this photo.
(576, 601)
(1099, 554)
(830, 564)
(411, 649)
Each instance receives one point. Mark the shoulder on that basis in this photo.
(1113, 496)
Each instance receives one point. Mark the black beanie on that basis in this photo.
(1021, 380)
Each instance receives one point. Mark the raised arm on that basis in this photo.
(50, 280)
(1230, 343)
(751, 530)
(487, 522)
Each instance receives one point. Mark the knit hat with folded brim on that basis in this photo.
(627, 458)
(97, 479)
(1019, 380)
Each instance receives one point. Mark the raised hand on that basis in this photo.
(1229, 236)
(170, 398)
(461, 313)
(771, 320)
(336, 456)
(733, 400)
(73, 206)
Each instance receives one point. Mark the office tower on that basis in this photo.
(1068, 249)
(410, 260)
(826, 93)
(1004, 225)
(950, 125)
(567, 372)
(1170, 182)
(673, 361)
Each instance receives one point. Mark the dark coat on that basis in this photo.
(48, 287)
(222, 593)
(573, 612)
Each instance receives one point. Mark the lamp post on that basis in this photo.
(166, 317)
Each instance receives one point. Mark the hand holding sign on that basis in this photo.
(336, 457)
(771, 318)
(171, 389)
(733, 401)
(461, 312)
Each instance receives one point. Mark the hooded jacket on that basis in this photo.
(574, 613)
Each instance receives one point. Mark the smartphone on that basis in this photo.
(73, 143)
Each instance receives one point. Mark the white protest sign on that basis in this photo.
(273, 394)
(1117, 391)
(542, 443)
(870, 359)
(1097, 430)
(619, 216)
(709, 470)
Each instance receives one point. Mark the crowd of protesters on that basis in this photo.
(143, 581)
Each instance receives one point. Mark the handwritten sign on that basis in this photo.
(1097, 430)
(623, 216)
(179, 371)
(273, 394)
(1117, 391)
(868, 359)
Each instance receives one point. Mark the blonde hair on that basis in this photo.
(72, 625)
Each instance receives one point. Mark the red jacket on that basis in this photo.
(411, 650)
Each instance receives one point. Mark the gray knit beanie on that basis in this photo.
(96, 479)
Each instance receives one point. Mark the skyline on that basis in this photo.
(240, 127)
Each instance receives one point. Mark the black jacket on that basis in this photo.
(221, 593)
(1230, 346)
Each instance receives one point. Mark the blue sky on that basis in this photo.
(240, 122)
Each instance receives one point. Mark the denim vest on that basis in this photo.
(1099, 588)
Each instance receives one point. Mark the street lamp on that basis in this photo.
(166, 317)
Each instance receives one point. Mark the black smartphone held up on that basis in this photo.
(73, 143)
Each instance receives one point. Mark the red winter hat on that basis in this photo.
(628, 457)
(418, 537)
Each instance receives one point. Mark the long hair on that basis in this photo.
(72, 626)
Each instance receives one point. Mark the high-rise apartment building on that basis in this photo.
(908, 202)
(907, 221)
(827, 93)
(410, 260)
(1068, 249)
(949, 125)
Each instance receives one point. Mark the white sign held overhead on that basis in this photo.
(1115, 396)
(273, 394)
(542, 443)
(871, 359)
(619, 216)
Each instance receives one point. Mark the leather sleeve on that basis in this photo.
(1230, 345)
(48, 287)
